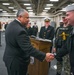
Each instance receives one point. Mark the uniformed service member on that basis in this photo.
(34, 29)
(69, 46)
(29, 29)
(62, 33)
(47, 31)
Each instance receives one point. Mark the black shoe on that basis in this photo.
(58, 74)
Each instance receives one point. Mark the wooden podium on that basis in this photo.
(37, 67)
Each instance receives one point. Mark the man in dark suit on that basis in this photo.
(47, 31)
(18, 46)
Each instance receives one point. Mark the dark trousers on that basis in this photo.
(72, 71)
(18, 72)
(17, 69)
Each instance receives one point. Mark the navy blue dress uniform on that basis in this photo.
(34, 30)
(29, 30)
(47, 33)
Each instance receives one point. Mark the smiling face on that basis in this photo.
(70, 17)
(65, 21)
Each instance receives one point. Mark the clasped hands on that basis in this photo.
(49, 57)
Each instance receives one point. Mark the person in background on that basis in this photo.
(34, 29)
(61, 23)
(47, 31)
(6, 25)
(3, 24)
(18, 46)
(0, 33)
(69, 45)
(29, 29)
(62, 33)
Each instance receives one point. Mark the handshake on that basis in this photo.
(49, 57)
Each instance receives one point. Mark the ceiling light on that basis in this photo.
(72, 3)
(11, 7)
(49, 4)
(1, 9)
(15, 10)
(4, 11)
(54, 0)
(30, 10)
(47, 8)
(28, 7)
(5, 3)
(31, 13)
(27, 4)
(63, 9)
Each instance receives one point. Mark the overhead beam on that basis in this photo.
(38, 6)
(19, 7)
(3, 7)
(34, 5)
(60, 5)
(72, 0)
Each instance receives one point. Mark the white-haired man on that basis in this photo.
(18, 46)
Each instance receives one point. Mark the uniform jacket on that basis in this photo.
(18, 47)
(29, 30)
(68, 48)
(47, 33)
(60, 39)
(34, 30)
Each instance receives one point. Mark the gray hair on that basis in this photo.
(21, 12)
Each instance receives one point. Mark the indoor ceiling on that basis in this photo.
(36, 6)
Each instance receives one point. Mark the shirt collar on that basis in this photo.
(18, 20)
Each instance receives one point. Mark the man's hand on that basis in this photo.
(49, 57)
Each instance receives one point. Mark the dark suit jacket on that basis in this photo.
(34, 30)
(18, 46)
(29, 30)
(46, 33)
